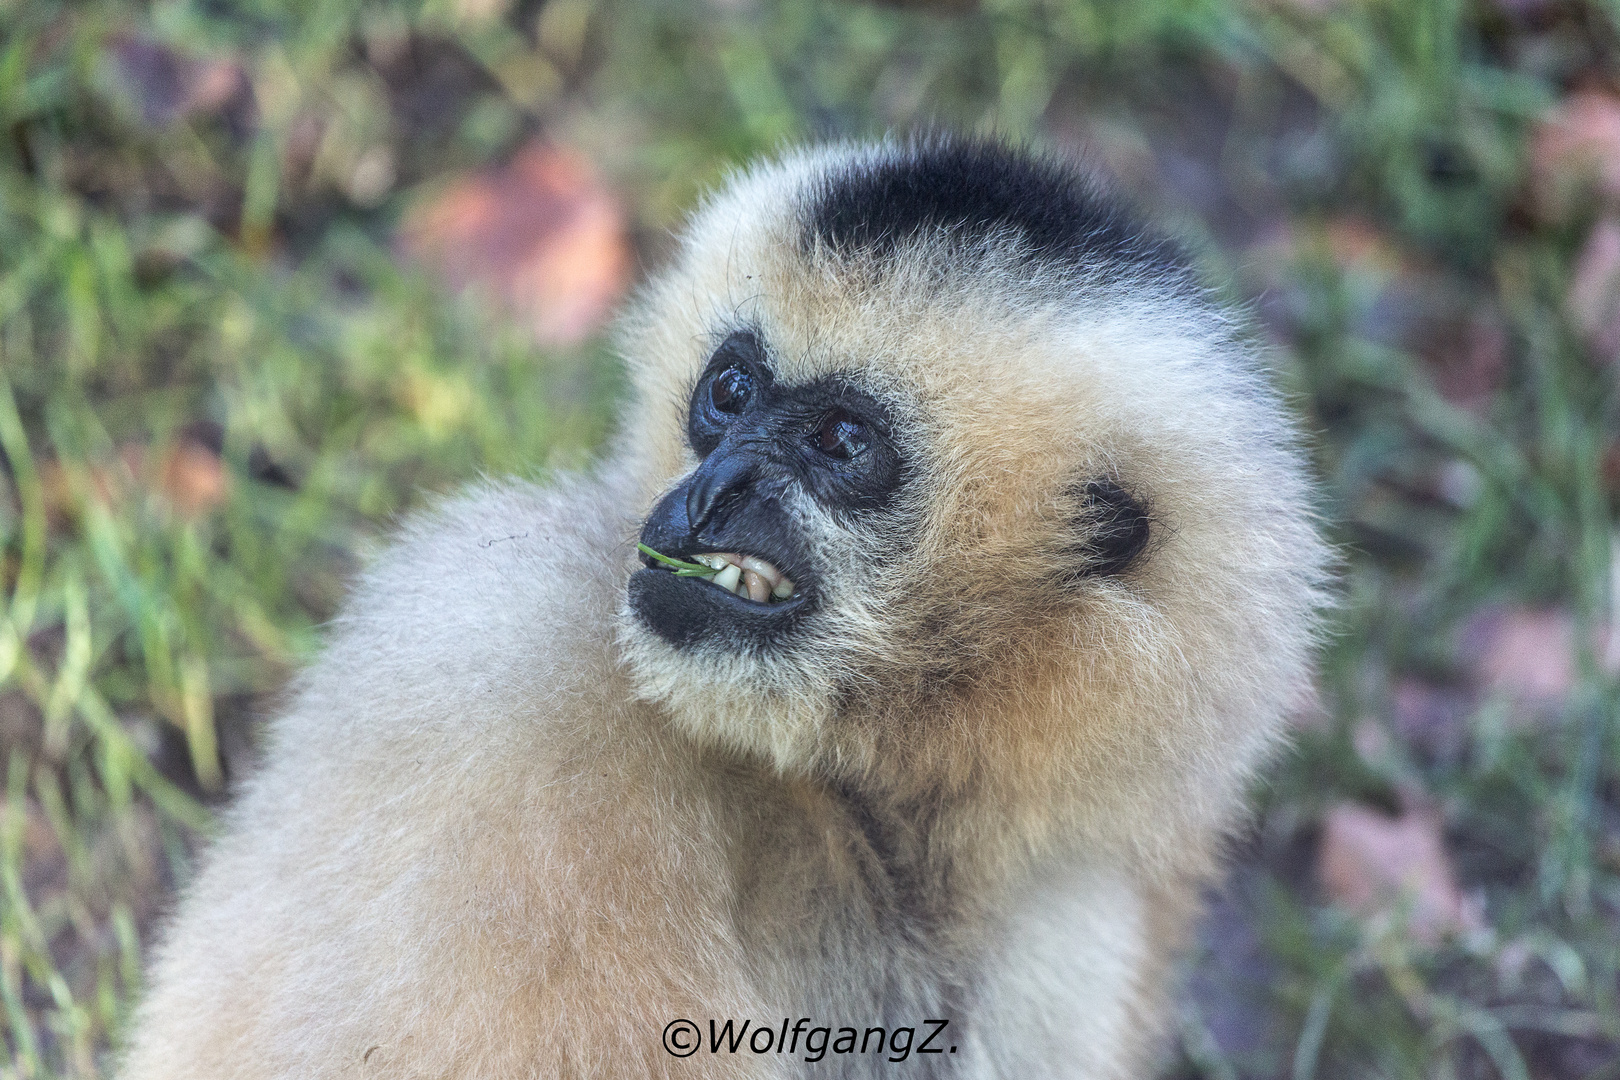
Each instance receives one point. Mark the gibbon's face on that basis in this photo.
(765, 449)
(961, 440)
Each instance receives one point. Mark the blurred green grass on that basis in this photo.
(220, 385)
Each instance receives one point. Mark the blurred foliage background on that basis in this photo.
(272, 272)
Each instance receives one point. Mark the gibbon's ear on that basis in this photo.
(1112, 529)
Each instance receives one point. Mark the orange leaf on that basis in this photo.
(1576, 152)
(1370, 864)
(193, 478)
(542, 234)
(1594, 294)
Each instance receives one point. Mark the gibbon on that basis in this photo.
(977, 574)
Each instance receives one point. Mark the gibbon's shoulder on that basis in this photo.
(498, 603)
(461, 792)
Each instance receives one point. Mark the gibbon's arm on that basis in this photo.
(471, 854)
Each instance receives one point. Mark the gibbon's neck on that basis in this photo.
(923, 861)
(948, 842)
(966, 766)
(900, 853)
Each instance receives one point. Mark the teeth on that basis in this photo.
(759, 590)
(747, 576)
(771, 574)
(727, 579)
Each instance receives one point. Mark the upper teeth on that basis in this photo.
(747, 576)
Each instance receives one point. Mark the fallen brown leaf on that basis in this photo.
(45, 864)
(1468, 359)
(1525, 653)
(1431, 717)
(169, 86)
(1373, 865)
(66, 484)
(188, 476)
(1358, 244)
(542, 234)
(193, 478)
(1594, 294)
(1576, 152)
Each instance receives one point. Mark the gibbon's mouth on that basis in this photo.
(686, 608)
(738, 578)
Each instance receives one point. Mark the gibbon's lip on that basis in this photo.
(690, 611)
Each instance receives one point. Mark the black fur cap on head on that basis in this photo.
(975, 188)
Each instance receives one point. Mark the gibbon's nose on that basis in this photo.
(719, 481)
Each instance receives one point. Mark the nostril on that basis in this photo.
(718, 481)
(701, 499)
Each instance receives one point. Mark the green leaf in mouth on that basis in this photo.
(681, 567)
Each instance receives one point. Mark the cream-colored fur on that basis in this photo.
(506, 831)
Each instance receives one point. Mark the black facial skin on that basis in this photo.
(757, 438)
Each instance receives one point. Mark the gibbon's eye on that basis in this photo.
(736, 381)
(731, 391)
(840, 436)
